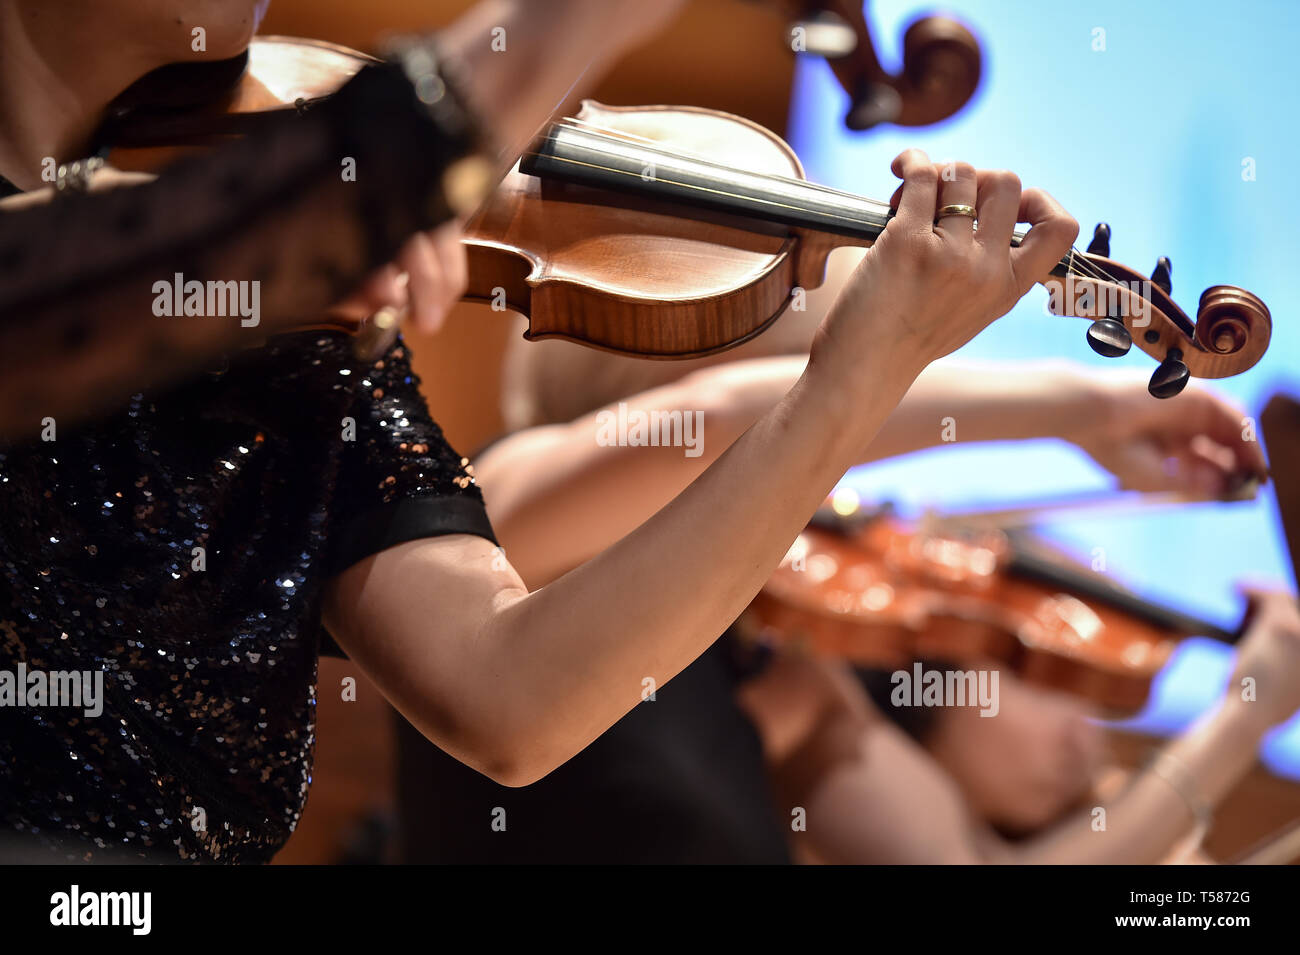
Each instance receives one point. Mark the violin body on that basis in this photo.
(881, 594)
(149, 126)
(648, 278)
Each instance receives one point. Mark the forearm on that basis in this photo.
(950, 400)
(888, 802)
(645, 607)
(956, 401)
(557, 497)
(1150, 817)
(523, 57)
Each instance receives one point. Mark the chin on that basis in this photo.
(1027, 822)
(1024, 820)
(228, 25)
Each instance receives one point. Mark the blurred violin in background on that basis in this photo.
(861, 585)
(864, 586)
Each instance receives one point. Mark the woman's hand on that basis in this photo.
(1200, 444)
(424, 282)
(928, 287)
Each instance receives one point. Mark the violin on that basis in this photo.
(863, 586)
(178, 109)
(659, 232)
(677, 232)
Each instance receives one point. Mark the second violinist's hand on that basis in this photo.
(1198, 443)
(925, 288)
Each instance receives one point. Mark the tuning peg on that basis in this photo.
(1170, 376)
(1162, 275)
(1109, 338)
(1100, 244)
(875, 103)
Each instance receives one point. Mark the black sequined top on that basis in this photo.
(181, 547)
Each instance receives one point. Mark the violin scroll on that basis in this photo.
(1228, 318)
(1229, 335)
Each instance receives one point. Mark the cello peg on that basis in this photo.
(873, 104)
(1100, 244)
(1170, 376)
(1162, 275)
(823, 34)
(1109, 338)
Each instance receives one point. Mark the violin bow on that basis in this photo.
(1100, 501)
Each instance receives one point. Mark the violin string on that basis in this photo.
(660, 146)
(1075, 262)
(1074, 258)
(675, 151)
(686, 185)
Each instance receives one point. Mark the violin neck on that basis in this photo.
(1028, 565)
(828, 217)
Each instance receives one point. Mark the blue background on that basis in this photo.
(1149, 136)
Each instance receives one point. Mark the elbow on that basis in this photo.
(511, 768)
(509, 756)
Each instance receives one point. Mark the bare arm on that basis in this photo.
(450, 633)
(558, 496)
(514, 683)
(525, 59)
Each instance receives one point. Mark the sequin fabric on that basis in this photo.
(181, 547)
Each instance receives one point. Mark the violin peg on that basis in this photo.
(1109, 338)
(1162, 275)
(1170, 376)
(875, 103)
(1100, 244)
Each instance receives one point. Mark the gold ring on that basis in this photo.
(956, 210)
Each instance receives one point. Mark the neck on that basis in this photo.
(576, 152)
(55, 84)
